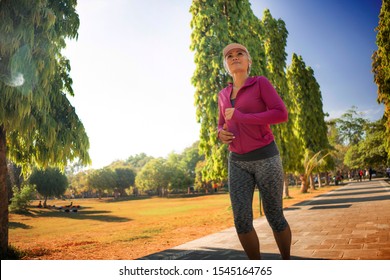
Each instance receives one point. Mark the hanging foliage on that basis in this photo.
(381, 64)
(216, 23)
(38, 125)
(275, 41)
(309, 124)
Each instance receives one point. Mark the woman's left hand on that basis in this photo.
(229, 113)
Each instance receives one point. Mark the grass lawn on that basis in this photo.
(116, 230)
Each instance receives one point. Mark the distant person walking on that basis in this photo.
(370, 171)
(361, 175)
(247, 108)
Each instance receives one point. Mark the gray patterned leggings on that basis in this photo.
(267, 174)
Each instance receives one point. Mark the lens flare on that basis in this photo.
(16, 81)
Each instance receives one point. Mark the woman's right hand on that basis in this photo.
(226, 136)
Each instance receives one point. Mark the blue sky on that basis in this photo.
(132, 67)
(336, 38)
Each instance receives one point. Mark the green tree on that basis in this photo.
(381, 64)
(49, 182)
(78, 183)
(200, 183)
(178, 179)
(275, 41)
(351, 130)
(187, 160)
(138, 161)
(310, 163)
(339, 148)
(153, 177)
(125, 177)
(371, 150)
(353, 158)
(38, 125)
(334, 136)
(351, 126)
(21, 198)
(162, 176)
(309, 123)
(214, 25)
(102, 180)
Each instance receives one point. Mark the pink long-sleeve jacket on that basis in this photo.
(257, 106)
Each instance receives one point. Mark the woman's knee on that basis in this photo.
(243, 227)
(279, 224)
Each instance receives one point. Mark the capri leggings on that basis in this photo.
(267, 174)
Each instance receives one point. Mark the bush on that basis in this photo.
(22, 198)
(13, 253)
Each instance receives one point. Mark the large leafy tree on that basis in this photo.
(335, 140)
(38, 125)
(78, 183)
(309, 124)
(182, 169)
(125, 177)
(381, 64)
(353, 158)
(296, 79)
(162, 175)
(138, 161)
(275, 41)
(187, 161)
(102, 180)
(359, 142)
(216, 23)
(373, 147)
(49, 182)
(153, 176)
(352, 126)
(371, 150)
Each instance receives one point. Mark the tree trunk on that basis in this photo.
(304, 185)
(327, 183)
(311, 180)
(286, 183)
(116, 194)
(319, 180)
(297, 179)
(3, 195)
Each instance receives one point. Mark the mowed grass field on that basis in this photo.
(106, 229)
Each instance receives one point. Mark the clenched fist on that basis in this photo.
(225, 136)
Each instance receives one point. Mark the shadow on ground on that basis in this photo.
(82, 214)
(211, 254)
(13, 225)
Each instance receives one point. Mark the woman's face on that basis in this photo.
(237, 61)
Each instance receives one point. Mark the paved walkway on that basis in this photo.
(352, 223)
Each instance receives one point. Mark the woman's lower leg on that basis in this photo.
(250, 243)
(283, 240)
